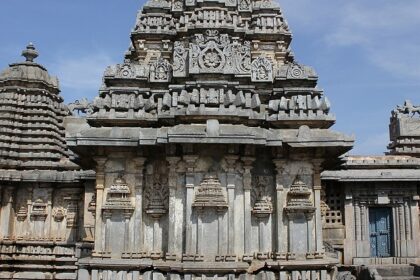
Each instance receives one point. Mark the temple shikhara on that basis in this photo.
(207, 153)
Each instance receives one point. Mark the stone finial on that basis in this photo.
(30, 53)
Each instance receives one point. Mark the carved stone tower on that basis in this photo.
(40, 187)
(208, 143)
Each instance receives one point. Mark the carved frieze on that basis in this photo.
(157, 22)
(216, 53)
(127, 70)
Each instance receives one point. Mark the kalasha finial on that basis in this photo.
(30, 53)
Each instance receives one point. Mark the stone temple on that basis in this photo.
(207, 153)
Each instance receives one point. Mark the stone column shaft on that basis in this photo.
(189, 184)
(317, 201)
(231, 184)
(138, 210)
(174, 230)
(247, 184)
(281, 249)
(6, 212)
(100, 185)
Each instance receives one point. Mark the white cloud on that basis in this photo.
(387, 34)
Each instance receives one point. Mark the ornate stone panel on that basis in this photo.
(217, 53)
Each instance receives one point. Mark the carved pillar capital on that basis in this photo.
(100, 162)
(231, 161)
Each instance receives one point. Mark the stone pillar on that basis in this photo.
(190, 161)
(247, 182)
(401, 232)
(231, 184)
(349, 242)
(127, 216)
(175, 228)
(6, 212)
(106, 215)
(280, 201)
(319, 253)
(310, 227)
(100, 185)
(138, 209)
(414, 208)
(48, 221)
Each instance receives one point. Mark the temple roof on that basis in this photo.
(31, 118)
(190, 61)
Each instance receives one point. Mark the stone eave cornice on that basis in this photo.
(203, 134)
(372, 175)
(47, 176)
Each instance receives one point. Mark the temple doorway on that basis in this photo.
(380, 229)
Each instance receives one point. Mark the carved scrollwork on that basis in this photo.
(180, 60)
(215, 53)
(261, 70)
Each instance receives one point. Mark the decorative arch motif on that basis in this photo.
(160, 71)
(261, 70)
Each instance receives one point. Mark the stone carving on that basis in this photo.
(244, 6)
(215, 53)
(295, 71)
(157, 23)
(158, 4)
(118, 196)
(210, 194)
(261, 70)
(408, 109)
(81, 106)
(180, 60)
(22, 213)
(160, 71)
(345, 275)
(299, 197)
(128, 70)
(92, 205)
(156, 196)
(59, 214)
(39, 210)
(261, 197)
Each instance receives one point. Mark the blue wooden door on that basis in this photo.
(380, 225)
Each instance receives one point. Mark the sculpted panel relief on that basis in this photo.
(217, 53)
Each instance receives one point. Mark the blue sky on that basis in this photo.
(367, 53)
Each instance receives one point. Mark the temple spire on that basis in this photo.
(30, 52)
